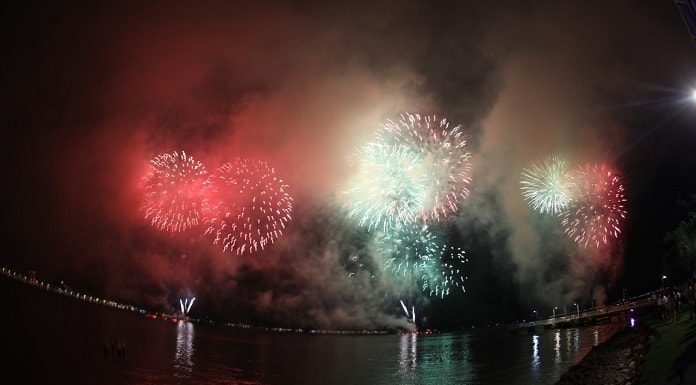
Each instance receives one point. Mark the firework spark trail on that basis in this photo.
(414, 254)
(410, 251)
(547, 185)
(404, 307)
(598, 209)
(439, 280)
(389, 188)
(251, 207)
(451, 271)
(175, 190)
(444, 159)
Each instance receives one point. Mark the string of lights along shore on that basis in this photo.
(408, 183)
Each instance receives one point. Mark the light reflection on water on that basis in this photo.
(184, 349)
(568, 344)
(576, 340)
(435, 359)
(407, 355)
(197, 354)
(535, 354)
(557, 347)
(595, 332)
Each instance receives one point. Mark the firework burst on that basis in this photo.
(388, 189)
(547, 186)
(444, 158)
(410, 251)
(451, 270)
(175, 190)
(415, 255)
(251, 207)
(598, 209)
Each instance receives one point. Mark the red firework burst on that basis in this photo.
(251, 206)
(175, 190)
(597, 210)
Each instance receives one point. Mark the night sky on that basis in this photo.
(92, 91)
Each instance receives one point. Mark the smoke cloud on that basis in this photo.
(301, 85)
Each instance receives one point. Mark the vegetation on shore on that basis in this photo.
(671, 357)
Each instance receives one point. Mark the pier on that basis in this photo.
(591, 316)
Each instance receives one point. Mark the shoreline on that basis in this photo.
(33, 282)
(615, 361)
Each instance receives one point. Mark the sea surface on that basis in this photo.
(50, 339)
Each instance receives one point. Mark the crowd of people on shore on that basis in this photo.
(676, 302)
(114, 348)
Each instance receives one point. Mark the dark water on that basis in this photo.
(56, 340)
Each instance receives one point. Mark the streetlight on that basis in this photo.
(577, 309)
(535, 314)
(554, 311)
(663, 281)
